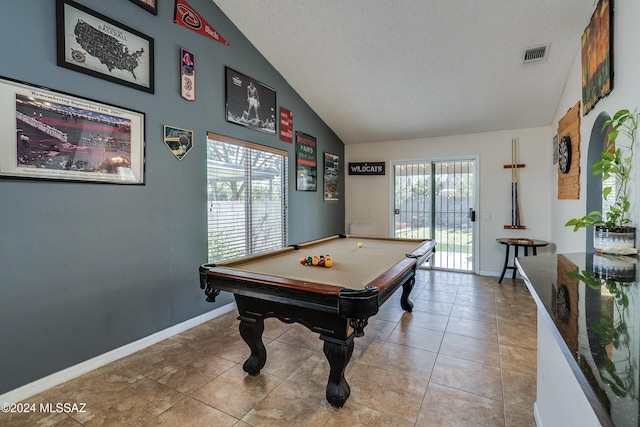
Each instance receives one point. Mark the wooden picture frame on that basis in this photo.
(597, 56)
(148, 5)
(250, 103)
(93, 44)
(64, 137)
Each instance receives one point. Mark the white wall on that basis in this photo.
(625, 94)
(369, 198)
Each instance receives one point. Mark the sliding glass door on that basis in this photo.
(436, 200)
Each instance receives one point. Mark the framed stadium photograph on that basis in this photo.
(93, 44)
(249, 102)
(64, 137)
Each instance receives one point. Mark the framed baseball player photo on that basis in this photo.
(249, 102)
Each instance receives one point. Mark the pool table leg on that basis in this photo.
(405, 302)
(251, 330)
(338, 353)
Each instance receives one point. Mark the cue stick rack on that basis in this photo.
(516, 220)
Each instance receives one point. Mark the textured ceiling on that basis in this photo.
(385, 70)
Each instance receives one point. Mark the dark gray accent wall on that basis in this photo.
(87, 268)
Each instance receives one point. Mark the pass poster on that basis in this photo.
(306, 162)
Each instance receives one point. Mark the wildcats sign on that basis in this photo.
(366, 168)
(187, 16)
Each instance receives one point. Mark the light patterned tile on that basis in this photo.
(353, 414)
(472, 349)
(468, 376)
(192, 413)
(519, 359)
(247, 391)
(444, 406)
(283, 358)
(391, 393)
(472, 328)
(134, 405)
(401, 359)
(425, 339)
(290, 404)
(421, 319)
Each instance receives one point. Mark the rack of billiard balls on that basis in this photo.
(318, 261)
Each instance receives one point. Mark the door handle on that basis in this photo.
(472, 215)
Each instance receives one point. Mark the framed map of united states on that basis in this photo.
(94, 44)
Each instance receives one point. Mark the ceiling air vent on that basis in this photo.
(536, 54)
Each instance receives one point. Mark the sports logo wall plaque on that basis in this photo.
(179, 141)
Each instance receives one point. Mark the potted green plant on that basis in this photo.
(612, 233)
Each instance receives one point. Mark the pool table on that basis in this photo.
(335, 302)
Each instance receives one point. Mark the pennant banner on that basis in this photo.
(187, 16)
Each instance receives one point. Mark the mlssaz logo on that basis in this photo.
(189, 17)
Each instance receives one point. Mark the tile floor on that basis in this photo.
(465, 356)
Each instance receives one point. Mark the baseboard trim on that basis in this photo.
(536, 415)
(57, 378)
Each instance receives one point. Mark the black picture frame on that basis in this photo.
(331, 177)
(81, 35)
(242, 106)
(63, 137)
(148, 5)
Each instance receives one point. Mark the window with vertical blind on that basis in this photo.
(246, 198)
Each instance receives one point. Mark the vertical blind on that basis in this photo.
(246, 186)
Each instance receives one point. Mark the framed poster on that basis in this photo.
(93, 44)
(249, 102)
(597, 65)
(286, 125)
(64, 137)
(331, 169)
(306, 162)
(149, 5)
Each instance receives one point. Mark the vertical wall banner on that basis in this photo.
(187, 16)
(331, 169)
(187, 75)
(306, 162)
(179, 141)
(286, 125)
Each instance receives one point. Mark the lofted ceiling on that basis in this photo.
(385, 70)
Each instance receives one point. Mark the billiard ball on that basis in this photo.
(303, 260)
(360, 244)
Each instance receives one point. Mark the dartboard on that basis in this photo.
(564, 154)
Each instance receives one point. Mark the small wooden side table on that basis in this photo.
(518, 243)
